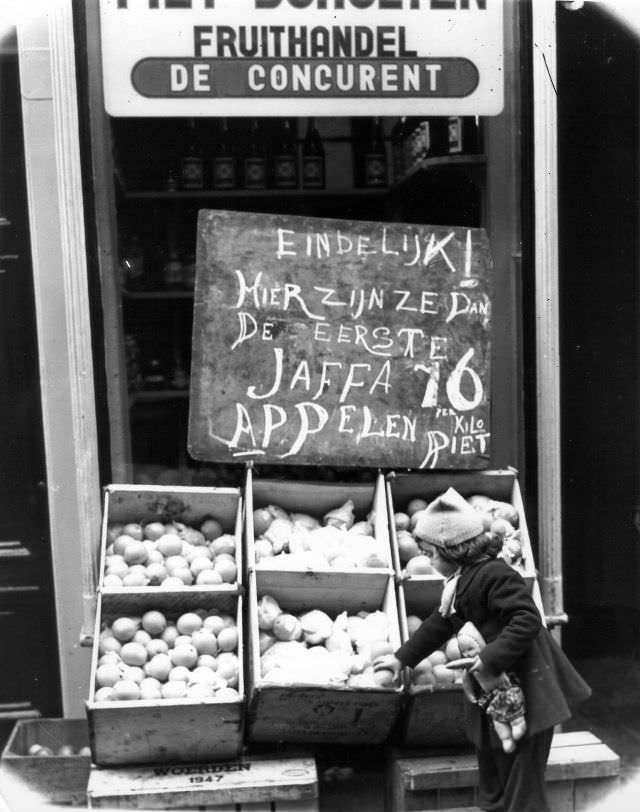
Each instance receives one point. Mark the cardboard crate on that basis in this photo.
(321, 714)
(248, 783)
(581, 772)
(316, 499)
(423, 591)
(189, 505)
(57, 779)
(147, 731)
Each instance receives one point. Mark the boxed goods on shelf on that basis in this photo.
(46, 760)
(301, 664)
(322, 534)
(422, 585)
(167, 681)
(157, 538)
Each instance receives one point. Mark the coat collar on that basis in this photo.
(469, 573)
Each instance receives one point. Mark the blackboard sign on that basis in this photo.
(337, 342)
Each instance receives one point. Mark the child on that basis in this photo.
(485, 591)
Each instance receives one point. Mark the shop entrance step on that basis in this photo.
(581, 771)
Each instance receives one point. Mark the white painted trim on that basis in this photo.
(56, 218)
(547, 311)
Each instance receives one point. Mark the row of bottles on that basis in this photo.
(261, 155)
(267, 154)
(413, 139)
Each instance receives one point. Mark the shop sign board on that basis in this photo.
(302, 57)
(335, 342)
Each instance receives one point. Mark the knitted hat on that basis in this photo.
(448, 521)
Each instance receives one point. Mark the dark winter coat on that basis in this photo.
(496, 599)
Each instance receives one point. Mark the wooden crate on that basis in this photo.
(148, 731)
(58, 779)
(581, 771)
(423, 591)
(318, 714)
(433, 716)
(190, 505)
(316, 499)
(248, 783)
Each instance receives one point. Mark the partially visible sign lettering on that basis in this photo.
(324, 57)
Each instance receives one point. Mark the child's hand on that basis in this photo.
(389, 662)
(486, 680)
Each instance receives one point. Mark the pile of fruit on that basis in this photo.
(311, 648)
(432, 671)
(37, 749)
(172, 555)
(498, 517)
(153, 657)
(286, 540)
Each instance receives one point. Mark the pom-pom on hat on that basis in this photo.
(448, 521)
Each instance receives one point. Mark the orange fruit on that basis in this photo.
(133, 654)
(188, 623)
(135, 552)
(154, 622)
(124, 628)
(228, 639)
(211, 529)
(228, 569)
(415, 505)
(126, 689)
(133, 529)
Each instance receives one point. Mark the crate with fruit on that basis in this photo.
(157, 539)
(494, 494)
(167, 680)
(46, 761)
(310, 537)
(310, 670)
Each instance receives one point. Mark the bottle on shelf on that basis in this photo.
(463, 135)
(172, 266)
(178, 375)
(133, 359)
(154, 374)
(397, 148)
(254, 164)
(438, 136)
(409, 141)
(191, 162)
(375, 157)
(224, 159)
(284, 164)
(313, 160)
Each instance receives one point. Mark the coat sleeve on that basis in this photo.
(509, 600)
(430, 635)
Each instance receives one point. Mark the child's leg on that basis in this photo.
(523, 774)
(490, 783)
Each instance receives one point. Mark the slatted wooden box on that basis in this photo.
(256, 783)
(56, 779)
(314, 714)
(188, 505)
(178, 730)
(432, 715)
(317, 499)
(581, 772)
(423, 591)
